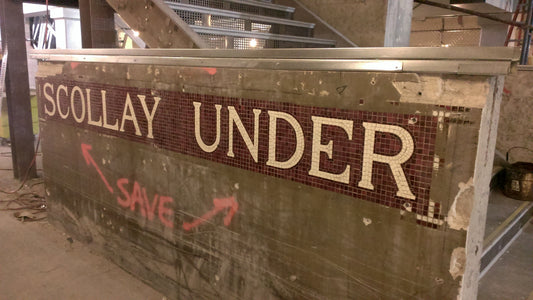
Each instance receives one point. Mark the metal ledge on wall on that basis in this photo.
(468, 60)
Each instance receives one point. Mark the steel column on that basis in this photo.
(17, 88)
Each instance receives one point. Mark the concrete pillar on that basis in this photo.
(493, 34)
(67, 26)
(398, 23)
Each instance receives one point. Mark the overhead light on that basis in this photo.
(135, 33)
(253, 43)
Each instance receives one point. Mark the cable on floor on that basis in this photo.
(28, 206)
(27, 170)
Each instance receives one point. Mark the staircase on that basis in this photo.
(240, 24)
(220, 24)
(245, 24)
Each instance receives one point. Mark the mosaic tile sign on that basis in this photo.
(385, 158)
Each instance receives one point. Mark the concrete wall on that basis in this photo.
(220, 184)
(516, 127)
(448, 32)
(456, 31)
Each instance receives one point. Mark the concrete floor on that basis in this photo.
(511, 277)
(37, 261)
(499, 209)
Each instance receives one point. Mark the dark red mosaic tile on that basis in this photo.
(174, 129)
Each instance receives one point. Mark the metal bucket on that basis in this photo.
(518, 180)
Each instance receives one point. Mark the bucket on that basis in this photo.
(518, 179)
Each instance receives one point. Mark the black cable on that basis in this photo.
(27, 171)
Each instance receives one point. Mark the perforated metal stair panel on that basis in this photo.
(235, 23)
(215, 41)
(241, 7)
(240, 24)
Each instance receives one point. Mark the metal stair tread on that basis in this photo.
(255, 3)
(238, 15)
(261, 35)
(264, 5)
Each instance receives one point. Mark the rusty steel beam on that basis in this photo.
(157, 24)
(17, 89)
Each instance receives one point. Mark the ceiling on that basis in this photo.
(62, 3)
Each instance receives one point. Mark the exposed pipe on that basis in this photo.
(475, 13)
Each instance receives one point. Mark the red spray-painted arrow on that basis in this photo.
(89, 160)
(220, 204)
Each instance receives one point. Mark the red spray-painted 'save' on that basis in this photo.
(138, 198)
(220, 204)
